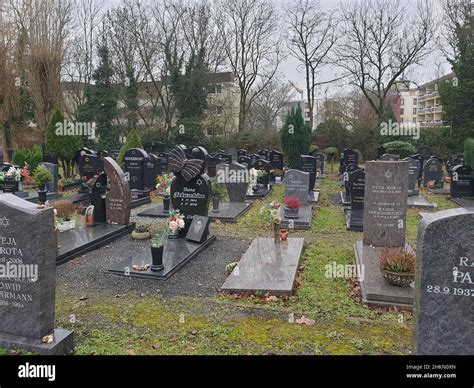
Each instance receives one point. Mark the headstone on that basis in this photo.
(199, 229)
(277, 160)
(52, 186)
(118, 200)
(297, 184)
(433, 171)
(422, 162)
(348, 157)
(27, 299)
(425, 152)
(380, 152)
(263, 165)
(98, 199)
(345, 179)
(462, 182)
(163, 156)
(224, 157)
(385, 210)
(245, 161)
(265, 154)
(444, 285)
(390, 158)
(309, 164)
(190, 188)
(355, 216)
(413, 173)
(152, 170)
(237, 182)
(134, 161)
(211, 168)
(254, 158)
(320, 160)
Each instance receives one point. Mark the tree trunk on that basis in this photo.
(242, 112)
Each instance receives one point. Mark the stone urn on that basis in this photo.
(290, 212)
(157, 258)
(215, 205)
(398, 279)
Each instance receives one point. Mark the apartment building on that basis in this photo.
(408, 106)
(430, 110)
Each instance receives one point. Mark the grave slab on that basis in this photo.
(77, 242)
(439, 191)
(463, 202)
(375, 290)
(230, 211)
(267, 267)
(154, 211)
(140, 202)
(303, 222)
(33, 196)
(62, 345)
(313, 197)
(177, 252)
(261, 194)
(354, 220)
(420, 202)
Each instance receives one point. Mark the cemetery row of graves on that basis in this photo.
(178, 251)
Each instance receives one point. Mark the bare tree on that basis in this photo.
(311, 37)
(249, 32)
(45, 25)
(80, 50)
(380, 43)
(273, 98)
(458, 25)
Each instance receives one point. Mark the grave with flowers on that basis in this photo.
(186, 231)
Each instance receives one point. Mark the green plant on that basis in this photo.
(157, 241)
(469, 152)
(218, 191)
(400, 148)
(64, 209)
(42, 176)
(295, 137)
(61, 145)
(140, 228)
(133, 141)
(397, 260)
(32, 157)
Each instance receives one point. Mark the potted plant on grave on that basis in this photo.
(292, 207)
(42, 177)
(398, 266)
(157, 249)
(163, 185)
(277, 173)
(141, 232)
(217, 194)
(261, 177)
(175, 223)
(271, 216)
(64, 212)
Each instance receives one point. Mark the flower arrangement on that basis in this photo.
(13, 173)
(292, 202)
(175, 222)
(398, 266)
(64, 210)
(89, 183)
(163, 184)
(25, 173)
(271, 214)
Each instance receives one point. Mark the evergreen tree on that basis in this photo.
(133, 141)
(458, 100)
(295, 137)
(105, 101)
(60, 144)
(469, 152)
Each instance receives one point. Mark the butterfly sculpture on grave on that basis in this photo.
(178, 162)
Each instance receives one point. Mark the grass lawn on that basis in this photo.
(338, 323)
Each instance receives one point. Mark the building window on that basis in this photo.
(415, 101)
(402, 101)
(307, 114)
(414, 120)
(401, 120)
(414, 111)
(402, 111)
(217, 89)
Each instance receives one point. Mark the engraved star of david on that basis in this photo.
(388, 174)
(4, 222)
(199, 182)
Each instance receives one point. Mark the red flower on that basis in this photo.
(293, 202)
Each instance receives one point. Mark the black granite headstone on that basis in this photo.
(444, 284)
(433, 171)
(413, 173)
(134, 161)
(152, 170)
(277, 160)
(462, 182)
(309, 164)
(199, 230)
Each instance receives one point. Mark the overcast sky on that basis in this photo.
(433, 67)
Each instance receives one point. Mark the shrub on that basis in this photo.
(42, 175)
(401, 148)
(292, 202)
(33, 157)
(469, 152)
(295, 137)
(65, 209)
(397, 260)
(141, 228)
(133, 141)
(218, 191)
